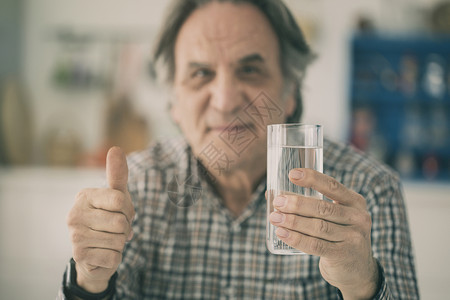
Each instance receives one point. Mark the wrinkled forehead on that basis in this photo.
(226, 30)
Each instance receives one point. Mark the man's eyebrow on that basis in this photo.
(255, 57)
(194, 64)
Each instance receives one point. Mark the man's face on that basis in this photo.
(225, 56)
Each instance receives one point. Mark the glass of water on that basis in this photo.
(290, 146)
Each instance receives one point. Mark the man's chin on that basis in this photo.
(224, 156)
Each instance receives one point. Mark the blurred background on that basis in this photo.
(76, 77)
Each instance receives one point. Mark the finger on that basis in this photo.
(328, 186)
(97, 257)
(315, 208)
(310, 226)
(110, 222)
(104, 199)
(308, 244)
(112, 201)
(88, 238)
(117, 169)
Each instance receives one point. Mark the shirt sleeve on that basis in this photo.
(64, 293)
(60, 295)
(383, 290)
(391, 240)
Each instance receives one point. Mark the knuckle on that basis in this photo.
(362, 229)
(78, 254)
(295, 203)
(323, 227)
(111, 259)
(73, 218)
(117, 258)
(76, 237)
(132, 214)
(325, 209)
(119, 222)
(354, 235)
(296, 241)
(317, 246)
(82, 195)
(357, 239)
(361, 200)
(367, 221)
(363, 218)
(291, 221)
(70, 219)
(366, 218)
(116, 243)
(333, 185)
(121, 242)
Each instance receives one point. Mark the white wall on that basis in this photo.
(429, 210)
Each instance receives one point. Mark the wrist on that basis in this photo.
(88, 284)
(365, 290)
(73, 290)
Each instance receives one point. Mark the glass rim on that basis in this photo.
(291, 125)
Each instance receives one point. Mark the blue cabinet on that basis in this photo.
(400, 102)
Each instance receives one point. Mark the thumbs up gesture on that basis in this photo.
(100, 225)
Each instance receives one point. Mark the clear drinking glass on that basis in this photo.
(290, 146)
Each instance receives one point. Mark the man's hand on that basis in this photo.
(100, 225)
(338, 232)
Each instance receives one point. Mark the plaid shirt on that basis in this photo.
(187, 245)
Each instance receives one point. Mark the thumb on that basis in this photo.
(117, 169)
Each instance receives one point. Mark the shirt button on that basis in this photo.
(236, 228)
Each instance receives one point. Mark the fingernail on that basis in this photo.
(281, 232)
(279, 201)
(276, 217)
(295, 174)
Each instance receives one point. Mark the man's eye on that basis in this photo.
(249, 70)
(201, 73)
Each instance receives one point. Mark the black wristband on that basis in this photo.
(71, 287)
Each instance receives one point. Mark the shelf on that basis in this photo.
(400, 102)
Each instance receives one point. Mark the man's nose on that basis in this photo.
(226, 94)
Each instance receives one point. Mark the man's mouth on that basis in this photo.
(232, 128)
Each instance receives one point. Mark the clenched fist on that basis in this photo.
(100, 225)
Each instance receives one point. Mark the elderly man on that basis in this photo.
(190, 221)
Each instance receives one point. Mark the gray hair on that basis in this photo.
(295, 54)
